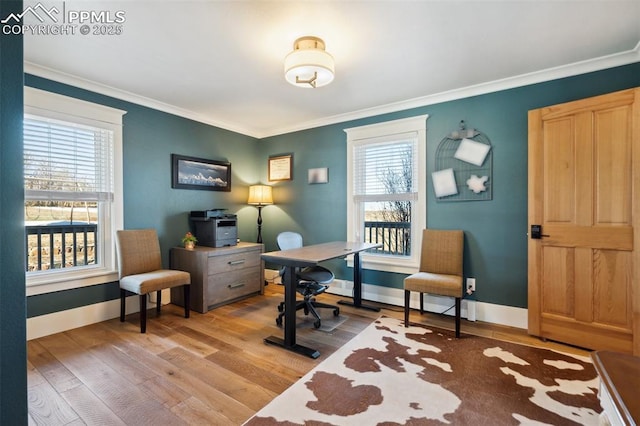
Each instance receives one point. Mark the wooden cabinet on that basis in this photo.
(219, 275)
(619, 383)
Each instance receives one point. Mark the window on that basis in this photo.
(386, 194)
(73, 191)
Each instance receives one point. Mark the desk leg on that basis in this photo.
(357, 287)
(289, 341)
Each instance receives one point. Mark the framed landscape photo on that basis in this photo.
(200, 173)
(280, 167)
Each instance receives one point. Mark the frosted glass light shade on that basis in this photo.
(309, 65)
(260, 195)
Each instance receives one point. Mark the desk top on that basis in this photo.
(316, 253)
(620, 373)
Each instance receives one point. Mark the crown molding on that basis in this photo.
(577, 68)
(103, 89)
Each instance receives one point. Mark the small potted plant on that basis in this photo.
(189, 241)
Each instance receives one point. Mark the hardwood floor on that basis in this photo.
(210, 369)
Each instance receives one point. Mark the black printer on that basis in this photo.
(214, 228)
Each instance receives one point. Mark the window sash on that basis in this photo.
(67, 161)
(374, 158)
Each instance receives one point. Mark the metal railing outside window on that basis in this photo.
(395, 237)
(60, 245)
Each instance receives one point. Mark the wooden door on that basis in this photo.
(584, 182)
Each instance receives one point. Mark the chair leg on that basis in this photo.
(317, 304)
(421, 303)
(187, 300)
(143, 313)
(315, 314)
(158, 301)
(458, 303)
(123, 296)
(300, 304)
(407, 297)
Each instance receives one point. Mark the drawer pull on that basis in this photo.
(237, 285)
(236, 262)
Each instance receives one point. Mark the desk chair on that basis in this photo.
(440, 273)
(311, 281)
(140, 270)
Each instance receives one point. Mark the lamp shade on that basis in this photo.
(260, 195)
(309, 65)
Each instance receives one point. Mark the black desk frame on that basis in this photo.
(289, 277)
(357, 287)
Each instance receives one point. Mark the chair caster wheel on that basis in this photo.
(316, 324)
(280, 308)
(336, 312)
(279, 322)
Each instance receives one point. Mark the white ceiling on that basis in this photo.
(221, 62)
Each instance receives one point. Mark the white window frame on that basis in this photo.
(45, 104)
(355, 214)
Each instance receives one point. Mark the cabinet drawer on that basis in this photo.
(228, 286)
(232, 262)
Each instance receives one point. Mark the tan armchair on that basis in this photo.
(140, 270)
(441, 261)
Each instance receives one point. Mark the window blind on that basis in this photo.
(67, 161)
(386, 170)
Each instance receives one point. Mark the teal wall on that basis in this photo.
(149, 139)
(13, 349)
(495, 230)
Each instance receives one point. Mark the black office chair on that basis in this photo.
(311, 282)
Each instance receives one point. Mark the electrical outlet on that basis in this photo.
(471, 285)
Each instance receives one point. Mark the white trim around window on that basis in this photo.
(58, 107)
(385, 132)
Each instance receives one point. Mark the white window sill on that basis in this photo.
(386, 264)
(42, 283)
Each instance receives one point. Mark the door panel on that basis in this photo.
(613, 166)
(559, 168)
(558, 281)
(584, 160)
(612, 282)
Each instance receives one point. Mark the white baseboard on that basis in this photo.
(57, 322)
(471, 309)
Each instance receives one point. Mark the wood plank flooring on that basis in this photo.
(210, 369)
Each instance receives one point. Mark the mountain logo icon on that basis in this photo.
(38, 11)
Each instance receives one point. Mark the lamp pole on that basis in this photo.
(259, 223)
(260, 196)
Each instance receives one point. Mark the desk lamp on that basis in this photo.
(260, 196)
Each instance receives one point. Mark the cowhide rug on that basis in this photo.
(392, 375)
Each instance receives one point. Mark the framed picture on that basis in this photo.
(320, 175)
(280, 167)
(199, 173)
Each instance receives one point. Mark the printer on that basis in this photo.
(214, 228)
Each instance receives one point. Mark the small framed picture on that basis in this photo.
(199, 173)
(280, 168)
(320, 175)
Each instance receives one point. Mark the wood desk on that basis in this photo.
(619, 386)
(301, 258)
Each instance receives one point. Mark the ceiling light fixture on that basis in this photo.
(309, 65)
